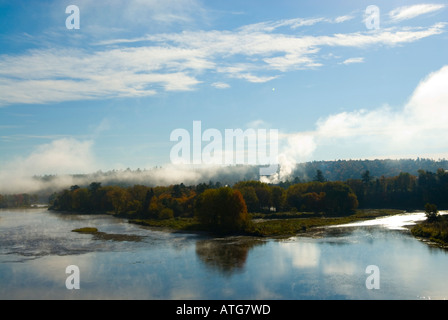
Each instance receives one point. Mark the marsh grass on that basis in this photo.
(86, 230)
(435, 231)
(97, 235)
(274, 224)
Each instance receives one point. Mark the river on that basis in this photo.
(135, 262)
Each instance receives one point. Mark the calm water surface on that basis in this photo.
(36, 246)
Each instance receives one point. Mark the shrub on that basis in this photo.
(166, 213)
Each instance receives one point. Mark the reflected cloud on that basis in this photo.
(302, 254)
(340, 268)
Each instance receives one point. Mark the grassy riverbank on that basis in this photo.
(434, 231)
(272, 225)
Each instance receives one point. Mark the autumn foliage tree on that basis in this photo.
(222, 210)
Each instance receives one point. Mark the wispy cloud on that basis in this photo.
(122, 14)
(273, 25)
(410, 12)
(341, 19)
(353, 60)
(220, 85)
(155, 63)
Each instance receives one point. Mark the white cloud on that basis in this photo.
(253, 78)
(178, 61)
(256, 124)
(419, 127)
(293, 24)
(273, 25)
(410, 12)
(78, 75)
(220, 85)
(341, 19)
(353, 60)
(131, 13)
(58, 157)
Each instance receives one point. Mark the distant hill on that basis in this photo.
(342, 170)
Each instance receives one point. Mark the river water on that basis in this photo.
(135, 262)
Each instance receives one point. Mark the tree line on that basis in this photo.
(343, 170)
(21, 200)
(181, 201)
(228, 207)
(214, 205)
(404, 191)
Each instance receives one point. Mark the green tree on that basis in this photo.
(431, 212)
(312, 201)
(294, 195)
(166, 213)
(176, 191)
(339, 199)
(278, 197)
(366, 177)
(262, 201)
(250, 197)
(119, 199)
(80, 199)
(94, 187)
(319, 176)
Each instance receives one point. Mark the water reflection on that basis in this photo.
(226, 255)
(300, 254)
(36, 247)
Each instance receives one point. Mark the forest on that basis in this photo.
(338, 170)
(22, 200)
(182, 201)
(230, 207)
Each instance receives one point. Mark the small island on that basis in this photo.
(86, 230)
(107, 236)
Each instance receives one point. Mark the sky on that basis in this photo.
(335, 80)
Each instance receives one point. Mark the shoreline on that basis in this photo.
(283, 226)
(299, 224)
(433, 233)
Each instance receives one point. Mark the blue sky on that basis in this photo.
(108, 95)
